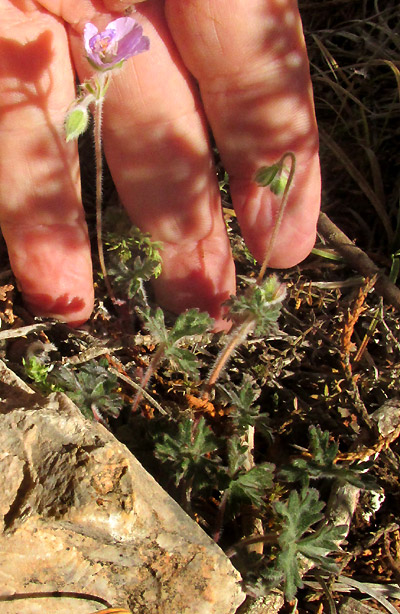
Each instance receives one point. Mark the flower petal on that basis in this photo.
(122, 26)
(88, 33)
(133, 43)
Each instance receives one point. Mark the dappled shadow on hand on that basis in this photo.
(27, 62)
(26, 74)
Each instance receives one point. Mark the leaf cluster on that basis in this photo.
(188, 324)
(191, 453)
(39, 372)
(92, 388)
(261, 302)
(321, 464)
(245, 486)
(303, 538)
(274, 176)
(245, 411)
(134, 258)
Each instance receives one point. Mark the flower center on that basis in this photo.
(105, 45)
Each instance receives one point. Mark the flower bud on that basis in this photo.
(76, 122)
(279, 182)
(266, 174)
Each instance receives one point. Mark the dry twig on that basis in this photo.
(358, 260)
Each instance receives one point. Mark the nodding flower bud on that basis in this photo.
(266, 174)
(275, 176)
(76, 121)
(279, 182)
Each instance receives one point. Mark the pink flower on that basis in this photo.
(121, 39)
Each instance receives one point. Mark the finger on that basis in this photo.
(40, 210)
(120, 5)
(250, 60)
(156, 143)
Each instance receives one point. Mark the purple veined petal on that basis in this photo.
(133, 43)
(122, 26)
(88, 33)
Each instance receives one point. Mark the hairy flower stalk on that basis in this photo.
(105, 51)
(280, 182)
(98, 120)
(257, 308)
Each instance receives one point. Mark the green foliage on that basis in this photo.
(39, 372)
(92, 388)
(134, 257)
(192, 454)
(251, 486)
(246, 487)
(297, 516)
(245, 412)
(188, 324)
(322, 464)
(261, 302)
(224, 183)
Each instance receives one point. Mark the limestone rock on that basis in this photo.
(80, 516)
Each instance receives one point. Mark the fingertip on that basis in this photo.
(198, 276)
(52, 266)
(257, 211)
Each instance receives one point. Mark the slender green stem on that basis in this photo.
(281, 211)
(98, 120)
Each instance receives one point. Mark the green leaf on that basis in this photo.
(288, 565)
(39, 373)
(317, 546)
(322, 464)
(245, 412)
(237, 456)
(275, 176)
(192, 454)
(155, 324)
(91, 388)
(279, 182)
(298, 515)
(266, 174)
(183, 360)
(251, 487)
(133, 257)
(189, 323)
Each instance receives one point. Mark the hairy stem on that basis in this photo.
(237, 337)
(155, 361)
(281, 211)
(240, 333)
(98, 120)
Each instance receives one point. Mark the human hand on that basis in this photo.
(249, 59)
